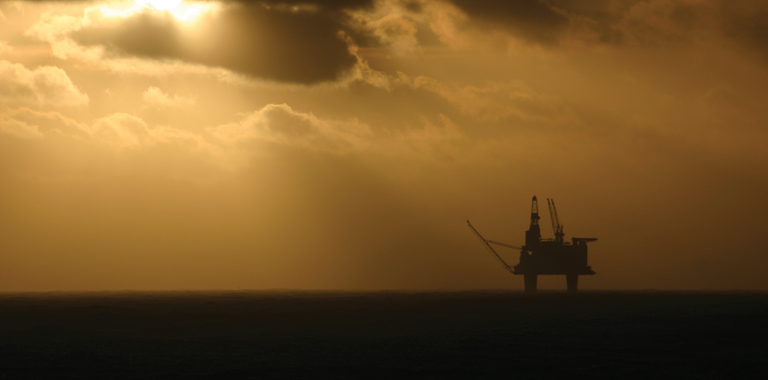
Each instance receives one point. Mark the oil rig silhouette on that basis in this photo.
(546, 256)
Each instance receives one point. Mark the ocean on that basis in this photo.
(384, 335)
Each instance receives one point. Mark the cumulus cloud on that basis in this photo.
(125, 131)
(154, 97)
(119, 131)
(122, 130)
(45, 123)
(282, 126)
(230, 145)
(18, 128)
(43, 86)
(406, 26)
(279, 123)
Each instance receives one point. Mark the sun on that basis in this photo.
(160, 5)
(185, 12)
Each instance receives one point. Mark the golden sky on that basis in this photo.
(343, 144)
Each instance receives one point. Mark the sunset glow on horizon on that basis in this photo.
(168, 144)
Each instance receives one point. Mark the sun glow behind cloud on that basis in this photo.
(189, 12)
(182, 11)
(160, 5)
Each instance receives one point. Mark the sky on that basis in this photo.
(166, 144)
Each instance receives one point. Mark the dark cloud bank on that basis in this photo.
(274, 41)
(251, 38)
(299, 42)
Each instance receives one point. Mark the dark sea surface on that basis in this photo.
(386, 335)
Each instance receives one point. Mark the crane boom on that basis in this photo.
(555, 220)
(505, 245)
(488, 246)
(552, 216)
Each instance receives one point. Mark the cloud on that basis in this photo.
(119, 131)
(232, 145)
(297, 41)
(280, 124)
(42, 124)
(532, 20)
(154, 97)
(4, 47)
(266, 42)
(496, 100)
(43, 86)
(405, 27)
(746, 24)
(666, 22)
(18, 128)
(122, 130)
(430, 142)
(491, 101)
(125, 131)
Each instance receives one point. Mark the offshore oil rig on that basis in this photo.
(546, 256)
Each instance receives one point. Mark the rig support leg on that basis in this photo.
(530, 283)
(573, 282)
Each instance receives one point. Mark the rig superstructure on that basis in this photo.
(546, 256)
